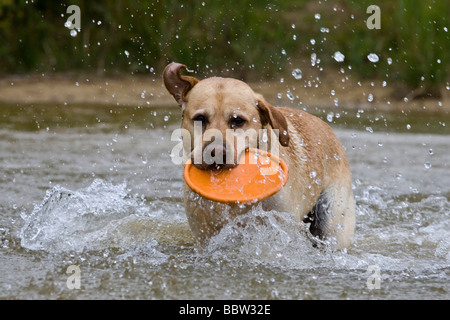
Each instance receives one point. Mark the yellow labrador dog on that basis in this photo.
(319, 187)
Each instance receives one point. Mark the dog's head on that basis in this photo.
(227, 115)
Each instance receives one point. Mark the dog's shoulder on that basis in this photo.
(305, 123)
(313, 134)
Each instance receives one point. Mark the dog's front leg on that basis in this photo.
(206, 217)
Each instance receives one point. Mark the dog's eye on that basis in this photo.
(236, 121)
(201, 118)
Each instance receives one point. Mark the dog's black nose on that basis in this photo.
(214, 157)
(219, 154)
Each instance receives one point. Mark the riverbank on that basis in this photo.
(334, 91)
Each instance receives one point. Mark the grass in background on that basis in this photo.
(249, 40)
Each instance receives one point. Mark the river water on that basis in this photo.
(94, 187)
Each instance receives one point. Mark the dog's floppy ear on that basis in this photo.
(178, 85)
(270, 114)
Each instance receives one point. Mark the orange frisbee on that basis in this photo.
(258, 175)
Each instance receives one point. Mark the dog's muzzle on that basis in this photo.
(216, 156)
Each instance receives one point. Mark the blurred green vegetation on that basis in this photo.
(246, 39)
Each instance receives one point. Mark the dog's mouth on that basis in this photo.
(214, 167)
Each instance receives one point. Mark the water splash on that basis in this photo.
(399, 232)
(100, 216)
(104, 215)
(268, 238)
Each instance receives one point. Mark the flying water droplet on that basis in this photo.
(297, 74)
(313, 59)
(290, 95)
(373, 57)
(330, 116)
(73, 33)
(338, 56)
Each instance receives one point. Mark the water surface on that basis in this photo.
(94, 186)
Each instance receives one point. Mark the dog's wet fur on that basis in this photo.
(319, 187)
